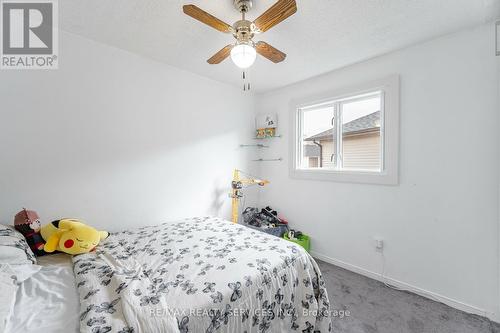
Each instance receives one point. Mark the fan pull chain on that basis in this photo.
(246, 85)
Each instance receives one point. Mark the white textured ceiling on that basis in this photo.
(322, 36)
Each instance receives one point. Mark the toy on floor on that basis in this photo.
(27, 222)
(266, 220)
(71, 236)
(237, 185)
(294, 234)
(270, 215)
(298, 238)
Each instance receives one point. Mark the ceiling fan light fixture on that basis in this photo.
(244, 51)
(243, 55)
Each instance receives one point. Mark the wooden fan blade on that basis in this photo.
(269, 52)
(202, 16)
(280, 11)
(221, 55)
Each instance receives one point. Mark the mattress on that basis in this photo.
(48, 300)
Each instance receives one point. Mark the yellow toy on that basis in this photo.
(71, 236)
(237, 186)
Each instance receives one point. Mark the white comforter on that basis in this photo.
(200, 275)
(47, 301)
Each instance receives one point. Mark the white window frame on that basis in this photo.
(388, 175)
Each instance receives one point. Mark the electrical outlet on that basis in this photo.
(379, 244)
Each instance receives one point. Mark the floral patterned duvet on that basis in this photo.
(200, 275)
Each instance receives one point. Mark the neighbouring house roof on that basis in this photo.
(368, 123)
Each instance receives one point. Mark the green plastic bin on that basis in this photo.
(302, 240)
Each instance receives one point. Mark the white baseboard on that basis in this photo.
(402, 285)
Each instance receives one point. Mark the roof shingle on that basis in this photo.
(363, 124)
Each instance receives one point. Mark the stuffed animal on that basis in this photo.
(27, 222)
(71, 236)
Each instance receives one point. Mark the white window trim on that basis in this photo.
(389, 175)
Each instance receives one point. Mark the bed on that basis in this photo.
(193, 275)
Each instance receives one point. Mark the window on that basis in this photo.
(356, 145)
(351, 136)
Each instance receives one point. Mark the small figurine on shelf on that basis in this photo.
(270, 132)
(261, 133)
(266, 126)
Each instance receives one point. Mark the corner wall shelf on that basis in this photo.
(268, 137)
(258, 145)
(261, 145)
(268, 159)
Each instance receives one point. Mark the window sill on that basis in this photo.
(346, 176)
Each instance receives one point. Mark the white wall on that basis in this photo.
(440, 224)
(118, 140)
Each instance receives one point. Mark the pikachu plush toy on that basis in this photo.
(71, 236)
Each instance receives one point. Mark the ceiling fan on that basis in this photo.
(244, 51)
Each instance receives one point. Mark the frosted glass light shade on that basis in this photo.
(243, 55)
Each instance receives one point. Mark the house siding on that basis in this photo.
(328, 151)
(362, 152)
(359, 151)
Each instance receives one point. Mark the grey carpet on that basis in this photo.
(375, 308)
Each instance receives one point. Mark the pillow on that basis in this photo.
(13, 247)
